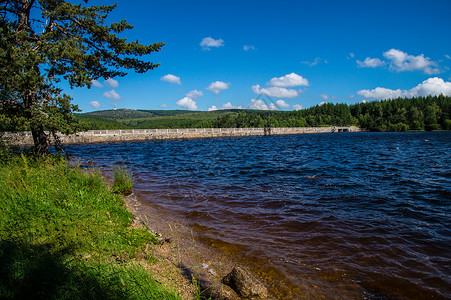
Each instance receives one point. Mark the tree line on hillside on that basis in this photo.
(402, 114)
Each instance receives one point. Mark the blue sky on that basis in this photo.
(284, 54)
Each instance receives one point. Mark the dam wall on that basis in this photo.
(135, 135)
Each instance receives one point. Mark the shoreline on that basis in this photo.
(182, 249)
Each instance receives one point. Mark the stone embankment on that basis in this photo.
(135, 135)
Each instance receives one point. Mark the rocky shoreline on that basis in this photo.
(194, 269)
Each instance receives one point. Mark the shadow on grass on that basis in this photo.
(32, 272)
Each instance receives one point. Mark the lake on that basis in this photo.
(343, 215)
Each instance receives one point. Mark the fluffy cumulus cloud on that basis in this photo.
(401, 61)
(95, 104)
(113, 95)
(380, 93)
(289, 80)
(187, 103)
(171, 78)
(248, 48)
(258, 104)
(218, 86)
(194, 94)
(282, 104)
(278, 92)
(370, 63)
(298, 107)
(163, 105)
(213, 108)
(278, 86)
(432, 86)
(209, 42)
(110, 82)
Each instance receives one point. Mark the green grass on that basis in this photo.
(65, 235)
(123, 183)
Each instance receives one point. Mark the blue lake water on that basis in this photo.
(348, 215)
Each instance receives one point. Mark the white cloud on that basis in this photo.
(289, 80)
(298, 107)
(370, 63)
(95, 104)
(275, 92)
(282, 103)
(273, 106)
(163, 106)
(314, 62)
(96, 83)
(258, 104)
(110, 82)
(112, 95)
(322, 103)
(447, 56)
(248, 47)
(401, 61)
(187, 103)
(351, 55)
(210, 42)
(324, 96)
(432, 86)
(171, 78)
(194, 94)
(218, 86)
(261, 105)
(364, 101)
(380, 93)
(229, 105)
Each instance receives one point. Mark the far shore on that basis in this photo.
(24, 139)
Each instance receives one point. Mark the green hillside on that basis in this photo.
(151, 119)
(402, 114)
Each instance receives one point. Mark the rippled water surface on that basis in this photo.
(352, 215)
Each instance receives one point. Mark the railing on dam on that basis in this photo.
(127, 135)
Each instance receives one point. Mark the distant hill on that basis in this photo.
(401, 114)
(149, 119)
(134, 114)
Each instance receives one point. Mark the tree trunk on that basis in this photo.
(41, 144)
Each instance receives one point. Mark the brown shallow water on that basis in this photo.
(333, 216)
(316, 272)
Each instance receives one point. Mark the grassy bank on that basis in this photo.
(64, 235)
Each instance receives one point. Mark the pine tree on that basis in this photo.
(43, 42)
